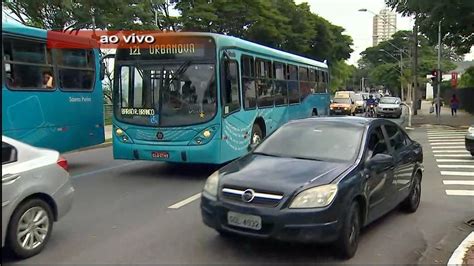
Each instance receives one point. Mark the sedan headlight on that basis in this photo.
(212, 182)
(316, 197)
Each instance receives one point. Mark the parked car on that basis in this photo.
(389, 106)
(342, 106)
(36, 191)
(470, 140)
(359, 103)
(316, 180)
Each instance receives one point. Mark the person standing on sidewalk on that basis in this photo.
(438, 102)
(454, 105)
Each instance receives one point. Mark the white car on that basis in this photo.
(389, 106)
(36, 191)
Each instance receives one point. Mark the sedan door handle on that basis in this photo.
(8, 178)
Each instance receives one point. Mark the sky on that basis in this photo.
(358, 25)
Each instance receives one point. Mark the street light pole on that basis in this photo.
(439, 72)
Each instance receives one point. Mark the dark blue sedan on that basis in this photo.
(317, 180)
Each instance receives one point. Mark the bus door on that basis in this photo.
(237, 114)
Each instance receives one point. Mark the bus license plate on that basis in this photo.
(244, 220)
(160, 154)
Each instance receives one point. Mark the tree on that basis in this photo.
(467, 78)
(106, 14)
(456, 18)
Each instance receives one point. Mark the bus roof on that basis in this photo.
(20, 29)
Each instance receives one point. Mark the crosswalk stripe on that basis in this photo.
(459, 182)
(456, 166)
(445, 134)
(454, 155)
(454, 161)
(451, 151)
(446, 140)
(446, 143)
(457, 173)
(448, 147)
(459, 192)
(446, 130)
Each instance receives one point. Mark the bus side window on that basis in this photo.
(304, 84)
(248, 82)
(230, 86)
(281, 89)
(27, 64)
(124, 85)
(264, 83)
(293, 88)
(312, 80)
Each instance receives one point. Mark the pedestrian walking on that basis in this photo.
(438, 102)
(454, 105)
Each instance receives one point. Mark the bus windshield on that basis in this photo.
(166, 94)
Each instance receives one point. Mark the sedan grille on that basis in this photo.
(388, 109)
(261, 198)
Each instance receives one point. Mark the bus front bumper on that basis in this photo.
(206, 153)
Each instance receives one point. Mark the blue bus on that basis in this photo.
(51, 98)
(205, 98)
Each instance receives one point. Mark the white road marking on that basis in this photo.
(457, 173)
(458, 255)
(454, 155)
(451, 151)
(459, 182)
(446, 134)
(454, 161)
(459, 192)
(185, 201)
(446, 143)
(455, 166)
(446, 140)
(448, 147)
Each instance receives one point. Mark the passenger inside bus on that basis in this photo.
(47, 80)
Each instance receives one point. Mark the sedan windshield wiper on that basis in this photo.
(305, 158)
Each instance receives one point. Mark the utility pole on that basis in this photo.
(401, 75)
(439, 71)
(415, 66)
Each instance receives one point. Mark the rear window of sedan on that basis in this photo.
(321, 141)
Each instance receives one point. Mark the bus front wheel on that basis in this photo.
(257, 134)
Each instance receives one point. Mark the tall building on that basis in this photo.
(384, 26)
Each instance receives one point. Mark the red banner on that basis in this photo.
(454, 79)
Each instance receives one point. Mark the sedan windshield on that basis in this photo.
(342, 100)
(322, 141)
(167, 95)
(389, 100)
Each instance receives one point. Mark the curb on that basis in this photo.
(457, 258)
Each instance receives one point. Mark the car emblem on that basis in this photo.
(160, 135)
(248, 195)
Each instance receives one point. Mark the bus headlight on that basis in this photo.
(316, 197)
(204, 136)
(212, 183)
(122, 136)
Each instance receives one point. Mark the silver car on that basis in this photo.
(470, 140)
(36, 191)
(389, 106)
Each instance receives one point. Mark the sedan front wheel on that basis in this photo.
(411, 203)
(349, 236)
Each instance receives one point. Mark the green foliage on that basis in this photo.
(341, 75)
(382, 62)
(467, 78)
(457, 18)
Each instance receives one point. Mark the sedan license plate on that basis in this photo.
(160, 154)
(338, 111)
(244, 220)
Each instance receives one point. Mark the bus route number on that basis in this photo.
(135, 50)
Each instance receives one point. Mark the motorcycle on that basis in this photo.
(371, 110)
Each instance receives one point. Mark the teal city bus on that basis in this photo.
(205, 98)
(51, 98)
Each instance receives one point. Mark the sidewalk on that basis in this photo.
(108, 132)
(463, 119)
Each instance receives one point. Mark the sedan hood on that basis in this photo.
(388, 105)
(277, 174)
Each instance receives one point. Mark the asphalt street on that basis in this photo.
(122, 214)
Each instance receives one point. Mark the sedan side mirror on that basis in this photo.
(379, 161)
